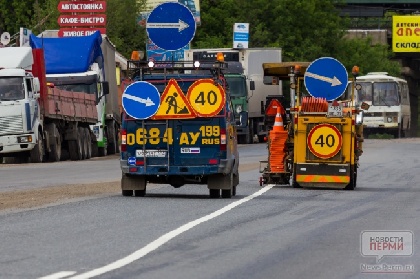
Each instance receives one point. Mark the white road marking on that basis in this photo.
(59, 275)
(167, 237)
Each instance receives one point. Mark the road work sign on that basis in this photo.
(174, 104)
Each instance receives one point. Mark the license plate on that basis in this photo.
(151, 153)
(335, 111)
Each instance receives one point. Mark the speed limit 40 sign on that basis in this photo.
(324, 141)
(206, 98)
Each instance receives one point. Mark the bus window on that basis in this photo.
(404, 94)
(386, 94)
(365, 93)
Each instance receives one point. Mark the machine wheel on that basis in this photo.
(353, 178)
(127, 193)
(37, 154)
(214, 193)
(294, 183)
(55, 146)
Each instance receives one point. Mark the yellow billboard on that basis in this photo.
(406, 33)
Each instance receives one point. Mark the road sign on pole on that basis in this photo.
(326, 78)
(141, 100)
(171, 26)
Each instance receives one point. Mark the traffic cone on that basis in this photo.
(278, 122)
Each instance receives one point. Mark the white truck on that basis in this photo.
(36, 120)
(245, 80)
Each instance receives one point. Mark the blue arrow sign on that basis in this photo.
(141, 100)
(326, 78)
(171, 26)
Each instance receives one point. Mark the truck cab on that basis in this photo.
(19, 109)
(195, 149)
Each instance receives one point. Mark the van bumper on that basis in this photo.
(224, 167)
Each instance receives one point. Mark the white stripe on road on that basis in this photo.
(166, 238)
(59, 275)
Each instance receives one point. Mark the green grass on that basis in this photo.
(380, 136)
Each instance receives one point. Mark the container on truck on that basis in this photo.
(245, 79)
(69, 62)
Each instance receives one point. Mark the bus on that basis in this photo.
(388, 100)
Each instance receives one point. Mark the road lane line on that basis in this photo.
(166, 238)
(59, 275)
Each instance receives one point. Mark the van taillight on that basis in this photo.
(123, 140)
(223, 139)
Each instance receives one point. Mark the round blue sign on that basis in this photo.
(326, 78)
(171, 26)
(141, 100)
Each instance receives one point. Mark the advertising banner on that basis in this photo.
(406, 33)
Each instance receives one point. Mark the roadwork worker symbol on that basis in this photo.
(173, 104)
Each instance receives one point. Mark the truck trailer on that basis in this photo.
(68, 71)
(38, 121)
(245, 80)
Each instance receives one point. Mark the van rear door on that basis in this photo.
(197, 141)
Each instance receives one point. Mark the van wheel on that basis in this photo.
(139, 193)
(214, 193)
(227, 194)
(127, 193)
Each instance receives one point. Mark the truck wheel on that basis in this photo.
(214, 193)
(112, 140)
(83, 142)
(88, 143)
(55, 154)
(75, 148)
(37, 153)
(353, 178)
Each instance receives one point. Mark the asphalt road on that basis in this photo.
(269, 232)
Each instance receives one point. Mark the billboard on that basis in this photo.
(406, 33)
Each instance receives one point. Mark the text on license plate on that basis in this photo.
(151, 153)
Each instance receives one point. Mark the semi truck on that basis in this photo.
(65, 69)
(245, 80)
(179, 128)
(38, 121)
